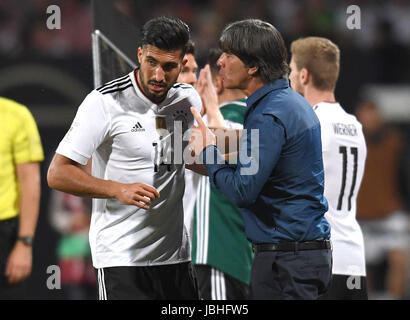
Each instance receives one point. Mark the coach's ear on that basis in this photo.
(304, 76)
(252, 71)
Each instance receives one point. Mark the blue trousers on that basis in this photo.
(291, 275)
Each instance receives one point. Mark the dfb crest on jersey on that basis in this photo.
(182, 116)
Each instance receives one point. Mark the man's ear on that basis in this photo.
(252, 71)
(184, 61)
(304, 76)
(139, 55)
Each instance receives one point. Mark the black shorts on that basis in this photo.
(163, 282)
(8, 237)
(344, 287)
(214, 284)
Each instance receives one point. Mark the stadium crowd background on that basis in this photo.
(50, 71)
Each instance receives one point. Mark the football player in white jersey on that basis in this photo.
(133, 127)
(314, 72)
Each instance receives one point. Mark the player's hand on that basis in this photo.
(138, 194)
(201, 135)
(19, 263)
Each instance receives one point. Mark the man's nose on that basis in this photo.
(159, 74)
(192, 79)
(220, 61)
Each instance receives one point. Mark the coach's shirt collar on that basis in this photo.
(261, 92)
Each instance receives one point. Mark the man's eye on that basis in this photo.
(151, 62)
(168, 68)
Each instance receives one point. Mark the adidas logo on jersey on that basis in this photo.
(137, 127)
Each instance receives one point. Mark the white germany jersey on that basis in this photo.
(191, 188)
(344, 156)
(131, 139)
(192, 180)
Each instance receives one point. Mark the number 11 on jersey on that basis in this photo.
(354, 152)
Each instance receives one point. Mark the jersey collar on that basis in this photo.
(147, 101)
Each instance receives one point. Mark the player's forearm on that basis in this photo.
(227, 140)
(30, 190)
(215, 118)
(72, 179)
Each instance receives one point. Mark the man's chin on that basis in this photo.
(227, 84)
(298, 91)
(156, 97)
(231, 84)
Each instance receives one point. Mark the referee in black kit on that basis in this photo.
(280, 191)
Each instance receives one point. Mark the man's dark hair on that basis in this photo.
(258, 44)
(190, 48)
(213, 56)
(166, 33)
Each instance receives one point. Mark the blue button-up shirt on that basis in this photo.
(278, 181)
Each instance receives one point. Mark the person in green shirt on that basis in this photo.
(221, 254)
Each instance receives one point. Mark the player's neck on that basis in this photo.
(230, 95)
(314, 96)
(138, 81)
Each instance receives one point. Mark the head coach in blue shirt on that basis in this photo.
(280, 186)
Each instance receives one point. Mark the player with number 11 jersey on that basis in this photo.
(344, 156)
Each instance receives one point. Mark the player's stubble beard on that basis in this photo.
(154, 98)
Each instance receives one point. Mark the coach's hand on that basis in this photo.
(138, 194)
(201, 135)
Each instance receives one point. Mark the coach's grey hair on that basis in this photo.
(258, 44)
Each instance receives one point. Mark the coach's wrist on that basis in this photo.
(209, 154)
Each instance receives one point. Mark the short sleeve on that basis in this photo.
(88, 130)
(27, 143)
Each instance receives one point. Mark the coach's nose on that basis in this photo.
(221, 61)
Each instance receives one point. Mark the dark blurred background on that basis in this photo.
(50, 71)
